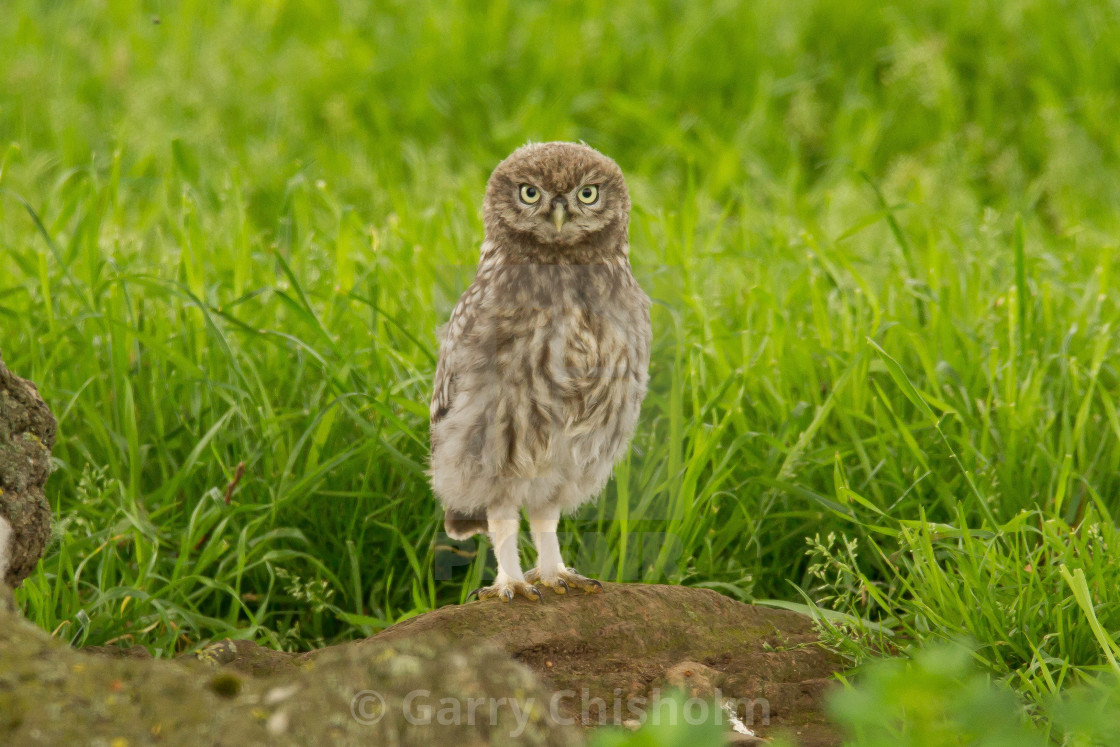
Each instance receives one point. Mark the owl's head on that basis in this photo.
(556, 196)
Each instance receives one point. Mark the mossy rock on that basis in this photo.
(51, 694)
(27, 433)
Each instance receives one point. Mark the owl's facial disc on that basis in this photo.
(556, 195)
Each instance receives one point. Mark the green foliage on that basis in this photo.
(880, 240)
(1088, 715)
(936, 698)
(940, 697)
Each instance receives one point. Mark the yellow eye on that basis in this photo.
(530, 194)
(588, 194)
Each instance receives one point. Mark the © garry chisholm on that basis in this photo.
(544, 363)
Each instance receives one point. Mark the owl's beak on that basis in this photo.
(558, 216)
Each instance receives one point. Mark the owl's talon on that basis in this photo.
(564, 581)
(557, 585)
(505, 591)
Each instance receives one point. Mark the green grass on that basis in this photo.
(881, 243)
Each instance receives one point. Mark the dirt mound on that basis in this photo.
(27, 431)
(635, 639)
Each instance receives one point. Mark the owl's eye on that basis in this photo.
(530, 194)
(588, 194)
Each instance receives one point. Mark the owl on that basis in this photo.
(543, 364)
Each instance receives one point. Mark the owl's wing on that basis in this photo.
(444, 391)
(443, 394)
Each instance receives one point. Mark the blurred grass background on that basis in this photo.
(881, 241)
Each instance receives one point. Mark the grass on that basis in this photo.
(880, 241)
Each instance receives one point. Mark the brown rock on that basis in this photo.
(27, 432)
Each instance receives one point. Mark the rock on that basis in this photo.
(27, 431)
(51, 694)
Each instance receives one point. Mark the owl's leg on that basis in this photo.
(551, 572)
(503, 525)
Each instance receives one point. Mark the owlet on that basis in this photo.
(544, 363)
